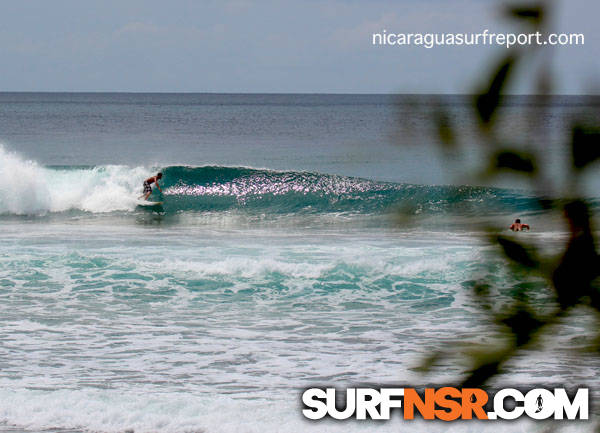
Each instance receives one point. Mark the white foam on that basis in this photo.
(115, 411)
(27, 188)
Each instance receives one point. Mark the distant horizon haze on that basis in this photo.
(284, 46)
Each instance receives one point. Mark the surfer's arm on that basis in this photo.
(525, 226)
(158, 186)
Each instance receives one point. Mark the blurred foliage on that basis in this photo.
(572, 277)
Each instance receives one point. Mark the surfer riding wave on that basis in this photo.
(147, 185)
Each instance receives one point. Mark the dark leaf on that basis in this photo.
(578, 214)
(489, 100)
(585, 146)
(547, 203)
(534, 13)
(523, 325)
(429, 362)
(481, 289)
(517, 252)
(579, 266)
(445, 130)
(515, 161)
(480, 375)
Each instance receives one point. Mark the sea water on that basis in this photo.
(304, 240)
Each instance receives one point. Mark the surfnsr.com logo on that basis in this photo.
(446, 404)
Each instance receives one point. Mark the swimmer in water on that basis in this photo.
(517, 226)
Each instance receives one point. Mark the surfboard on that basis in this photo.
(149, 203)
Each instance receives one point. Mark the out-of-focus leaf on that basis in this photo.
(544, 82)
(523, 325)
(532, 13)
(578, 214)
(429, 362)
(482, 373)
(445, 130)
(585, 146)
(517, 252)
(547, 203)
(488, 101)
(595, 292)
(579, 265)
(512, 160)
(481, 289)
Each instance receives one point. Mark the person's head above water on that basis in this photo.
(159, 176)
(517, 226)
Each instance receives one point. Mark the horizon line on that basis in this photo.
(285, 93)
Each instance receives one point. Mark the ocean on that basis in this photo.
(304, 240)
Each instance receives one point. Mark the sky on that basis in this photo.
(312, 46)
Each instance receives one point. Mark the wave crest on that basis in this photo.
(28, 188)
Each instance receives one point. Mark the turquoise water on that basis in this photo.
(254, 280)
